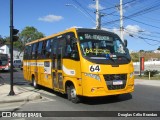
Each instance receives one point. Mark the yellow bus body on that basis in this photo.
(78, 73)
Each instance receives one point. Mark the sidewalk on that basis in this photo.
(147, 82)
(20, 94)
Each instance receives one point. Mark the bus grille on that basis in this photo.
(115, 81)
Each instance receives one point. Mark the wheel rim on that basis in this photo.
(73, 93)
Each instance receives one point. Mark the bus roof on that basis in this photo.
(53, 35)
(72, 30)
(94, 30)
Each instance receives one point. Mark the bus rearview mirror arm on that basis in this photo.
(125, 43)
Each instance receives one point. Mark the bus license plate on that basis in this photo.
(117, 82)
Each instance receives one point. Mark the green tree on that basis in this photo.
(135, 57)
(141, 50)
(2, 40)
(28, 34)
(6, 40)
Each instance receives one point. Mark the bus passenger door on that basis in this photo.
(59, 67)
(54, 64)
(57, 76)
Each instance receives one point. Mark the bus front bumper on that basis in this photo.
(102, 89)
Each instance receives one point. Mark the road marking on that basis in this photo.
(28, 88)
(43, 100)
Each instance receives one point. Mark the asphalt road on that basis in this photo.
(144, 98)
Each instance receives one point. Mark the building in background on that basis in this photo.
(5, 50)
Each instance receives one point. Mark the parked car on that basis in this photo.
(17, 63)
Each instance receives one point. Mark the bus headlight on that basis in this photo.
(131, 74)
(95, 76)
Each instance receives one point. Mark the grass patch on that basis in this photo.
(155, 77)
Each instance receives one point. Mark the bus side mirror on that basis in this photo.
(125, 43)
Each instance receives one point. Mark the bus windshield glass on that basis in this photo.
(102, 46)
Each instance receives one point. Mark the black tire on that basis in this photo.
(68, 93)
(73, 96)
(34, 83)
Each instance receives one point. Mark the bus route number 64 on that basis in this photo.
(94, 68)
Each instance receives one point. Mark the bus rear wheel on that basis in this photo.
(34, 83)
(72, 95)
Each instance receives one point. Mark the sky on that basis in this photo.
(141, 21)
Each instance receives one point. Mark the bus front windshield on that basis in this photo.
(102, 46)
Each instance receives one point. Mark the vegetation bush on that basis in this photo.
(152, 72)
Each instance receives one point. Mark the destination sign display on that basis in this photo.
(91, 36)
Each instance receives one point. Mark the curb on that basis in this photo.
(22, 97)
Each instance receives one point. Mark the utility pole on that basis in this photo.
(121, 20)
(98, 25)
(11, 93)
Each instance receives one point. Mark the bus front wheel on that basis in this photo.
(72, 95)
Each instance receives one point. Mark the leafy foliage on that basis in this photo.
(152, 72)
(2, 40)
(28, 34)
(147, 55)
(135, 57)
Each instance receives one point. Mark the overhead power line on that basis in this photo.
(118, 5)
(144, 11)
(142, 33)
(81, 6)
(144, 38)
(126, 17)
(142, 23)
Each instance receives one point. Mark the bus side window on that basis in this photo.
(39, 50)
(61, 47)
(71, 50)
(48, 49)
(54, 52)
(54, 48)
(74, 53)
(44, 49)
(25, 57)
(34, 51)
(29, 51)
(68, 47)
